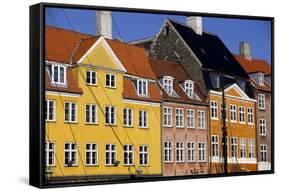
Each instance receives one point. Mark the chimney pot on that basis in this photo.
(104, 23)
(195, 23)
(245, 50)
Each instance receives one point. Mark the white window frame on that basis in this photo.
(202, 152)
(233, 113)
(260, 78)
(70, 150)
(143, 119)
(47, 110)
(263, 153)
(60, 67)
(241, 114)
(49, 150)
(214, 110)
(168, 85)
(128, 154)
(128, 117)
(179, 152)
(144, 154)
(168, 152)
(189, 88)
(251, 148)
(262, 127)
(110, 115)
(112, 154)
(70, 112)
(91, 151)
(250, 112)
(190, 118)
(201, 119)
(234, 147)
(142, 87)
(215, 146)
(179, 117)
(110, 80)
(167, 116)
(243, 147)
(261, 101)
(92, 76)
(90, 110)
(191, 156)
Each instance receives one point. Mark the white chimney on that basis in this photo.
(245, 50)
(104, 23)
(195, 23)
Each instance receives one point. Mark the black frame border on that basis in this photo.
(37, 94)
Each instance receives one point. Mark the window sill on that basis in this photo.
(144, 165)
(75, 165)
(180, 127)
(168, 162)
(263, 135)
(191, 161)
(109, 87)
(262, 109)
(91, 165)
(243, 123)
(51, 121)
(143, 127)
(190, 127)
(109, 125)
(128, 165)
(180, 162)
(91, 124)
(126, 126)
(70, 122)
(94, 85)
(216, 119)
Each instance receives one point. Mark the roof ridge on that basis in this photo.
(68, 30)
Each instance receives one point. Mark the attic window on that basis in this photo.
(168, 84)
(142, 88)
(189, 88)
(215, 80)
(167, 30)
(261, 79)
(203, 51)
(58, 74)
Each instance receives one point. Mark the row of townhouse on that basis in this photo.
(112, 111)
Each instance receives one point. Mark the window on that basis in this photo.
(242, 147)
(91, 114)
(70, 154)
(91, 78)
(214, 110)
(70, 112)
(261, 101)
(202, 152)
(190, 118)
(143, 152)
(50, 154)
(166, 30)
(251, 148)
(179, 117)
(167, 117)
(143, 119)
(262, 127)
(242, 114)
(201, 119)
(142, 87)
(261, 79)
(191, 152)
(110, 154)
(59, 75)
(128, 155)
(110, 80)
(215, 146)
(189, 88)
(179, 152)
(168, 151)
(216, 81)
(250, 115)
(234, 149)
(168, 85)
(91, 154)
(50, 110)
(263, 152)
(110, 115)
(128, 117)
(233, 116)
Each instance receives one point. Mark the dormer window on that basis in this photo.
(189, 88)
(261, 79)
(215, 79)
(142, 87)
(58, 74)
(166, 30)
(168, 84)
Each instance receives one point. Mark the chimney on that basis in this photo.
(245, 50)
(195, 23)
(104, 24)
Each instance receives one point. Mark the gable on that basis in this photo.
(233, 92)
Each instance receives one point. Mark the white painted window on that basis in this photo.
(214, 109)
(110, 115)
(91, 154)
(191, 152)
(50, 110)
(251, 148)
(261, 79)
(242, 147)
(189, 88)
(242, 114)
(58, 75)
(179, 117)
(263, 152)
(144, 155)
(250, 115)
(233, 115)
(190, 118)
(128, 117)
(201, 152)
(110, 81)
(234, 148)
(179, 151)
(91, 78)
(70, 112)
(143, 118)
(110, 154)
(201, 119)
(50, 154)
(70, 154)
(261, 99)
(142, 87)
(167, 116)
(262, 127)
(128, 154)
(215, 145)
(91, 114)
(168, 151)
(168, 85)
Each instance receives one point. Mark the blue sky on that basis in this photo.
(133, 26)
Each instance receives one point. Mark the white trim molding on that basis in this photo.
(56, 93)
(154, 104)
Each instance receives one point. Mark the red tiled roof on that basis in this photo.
(266, 87)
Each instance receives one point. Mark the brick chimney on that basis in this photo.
(245, 50)
(195, 23)
(104, 24)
